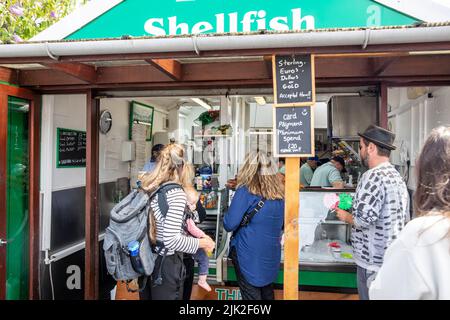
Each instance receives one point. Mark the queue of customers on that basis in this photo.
(396, 259)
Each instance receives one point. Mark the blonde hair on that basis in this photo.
(259, 175)
(171, 166)
(191, 193)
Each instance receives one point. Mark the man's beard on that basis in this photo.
(365, 161)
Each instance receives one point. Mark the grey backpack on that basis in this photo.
(129, 221)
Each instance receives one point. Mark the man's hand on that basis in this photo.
(344, 216)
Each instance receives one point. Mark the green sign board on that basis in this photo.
(175, 17)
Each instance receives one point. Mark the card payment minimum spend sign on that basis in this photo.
(293, 127)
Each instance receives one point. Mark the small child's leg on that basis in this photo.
(203, 265)
(202, 282)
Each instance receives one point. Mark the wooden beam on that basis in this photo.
(131, 74)
(79, 71)
(34, 198)
(326, 68)
(8, 75)
(383, 107)
(225, 71)
(379, 66)
(38, 78)
(291, 216)
(268, 62)
(420, 65)
(169, 67)
(3, 190)
(342, 68)
(148, 74)
(255, 83)
(91, 278)
(361, 55)
(333, 50)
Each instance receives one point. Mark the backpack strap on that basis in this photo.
(162, 196)
(161, 192)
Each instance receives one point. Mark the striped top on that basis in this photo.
(169, 229)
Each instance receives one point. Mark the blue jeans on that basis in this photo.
(365, 278)
(203, 261)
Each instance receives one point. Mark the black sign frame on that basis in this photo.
(62, 166)
(276, 136)
(298, 102)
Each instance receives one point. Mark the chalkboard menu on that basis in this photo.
(71, 148)
(293, 80)
(293, 131)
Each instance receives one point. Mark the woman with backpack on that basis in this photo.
(255, 248)
(166, 282)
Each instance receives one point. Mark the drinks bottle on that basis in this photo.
(133, 249)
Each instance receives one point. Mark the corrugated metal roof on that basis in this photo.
(417, 25)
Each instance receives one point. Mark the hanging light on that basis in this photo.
(260, 100)
(202, 103)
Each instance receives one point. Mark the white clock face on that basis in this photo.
(105, 122)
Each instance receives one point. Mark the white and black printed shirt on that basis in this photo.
(169, 229)
(380, 211)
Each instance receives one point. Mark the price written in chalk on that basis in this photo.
(294, 80)
(71, 150)
(293, 131)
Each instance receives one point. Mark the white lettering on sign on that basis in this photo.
(251, 20)
(292, 128)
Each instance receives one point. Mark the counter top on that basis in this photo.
(320, 189)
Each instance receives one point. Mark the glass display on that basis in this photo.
(322, 237)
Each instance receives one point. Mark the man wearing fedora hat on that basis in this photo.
(380, 208)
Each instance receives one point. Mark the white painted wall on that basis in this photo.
(111, 169)
(69, 111)
(412, 118)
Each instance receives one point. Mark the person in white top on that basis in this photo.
(417, 264)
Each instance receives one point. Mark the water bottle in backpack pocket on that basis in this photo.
(133, 250)
(128, 229)
(127, 247)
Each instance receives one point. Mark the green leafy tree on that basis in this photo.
(20, 20)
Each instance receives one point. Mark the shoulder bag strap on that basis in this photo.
(248, 216)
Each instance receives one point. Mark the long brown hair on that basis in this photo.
(433, 175)
(259, 175)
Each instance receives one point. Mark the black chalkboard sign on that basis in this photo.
(293, 80)
(70, 148)
(293, 130)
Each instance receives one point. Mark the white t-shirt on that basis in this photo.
(417, 264)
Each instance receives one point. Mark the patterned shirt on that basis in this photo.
(380, 211)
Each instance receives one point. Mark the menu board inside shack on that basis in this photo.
(294, 80)
(71, 148)
(293, 131)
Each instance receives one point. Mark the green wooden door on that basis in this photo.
(17, 231)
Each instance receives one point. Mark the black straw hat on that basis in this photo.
(379, 136)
